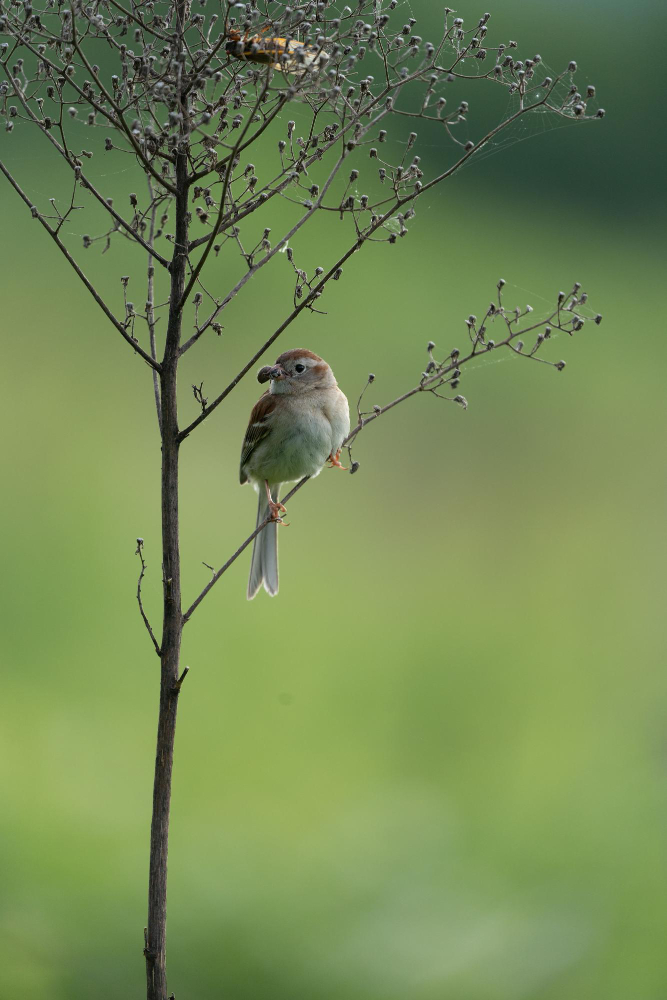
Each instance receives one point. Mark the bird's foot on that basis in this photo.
(335, 461)
(275, 507)
(275, 511)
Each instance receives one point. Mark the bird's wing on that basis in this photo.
(259, 426)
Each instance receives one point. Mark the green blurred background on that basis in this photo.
(434, 766)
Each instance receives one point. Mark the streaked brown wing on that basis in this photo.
(258, 428)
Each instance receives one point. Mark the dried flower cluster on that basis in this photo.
(193, 97)
(187, 94)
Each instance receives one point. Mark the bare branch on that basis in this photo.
(179, 683)
(65, 252)
(256, 267)
(150, 302)
(232, 559)
(140, 553)
(75, 165)
(230, 166)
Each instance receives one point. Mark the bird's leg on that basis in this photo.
(275, 509)
(335, 461)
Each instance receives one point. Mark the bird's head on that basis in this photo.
(297, 371)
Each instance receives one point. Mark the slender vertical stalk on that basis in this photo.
(155, 945)
(150, 299)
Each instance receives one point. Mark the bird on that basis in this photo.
(295, 427)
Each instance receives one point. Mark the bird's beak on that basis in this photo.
(271, 372)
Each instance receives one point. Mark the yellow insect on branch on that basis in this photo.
(288, 55)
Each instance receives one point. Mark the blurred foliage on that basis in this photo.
(434, 766)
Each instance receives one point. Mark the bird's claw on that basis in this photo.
(335, 461)
(275, 510)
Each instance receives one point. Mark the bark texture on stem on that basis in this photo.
(155, 950)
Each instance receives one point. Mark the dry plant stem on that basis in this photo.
(150, 303)
(170, 646)
(68, 257)
(108, 207)
(140, 546)
(232, 559)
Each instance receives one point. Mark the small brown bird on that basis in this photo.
(299, 423)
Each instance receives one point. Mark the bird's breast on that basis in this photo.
(299, 444)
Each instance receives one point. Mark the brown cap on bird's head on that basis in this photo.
(297, 352)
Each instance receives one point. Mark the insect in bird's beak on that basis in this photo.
(271, 372)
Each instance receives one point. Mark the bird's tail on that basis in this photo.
(264, 563)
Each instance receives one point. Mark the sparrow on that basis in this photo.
(298, 424)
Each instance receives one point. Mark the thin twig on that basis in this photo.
(179, 683)
(264, 260)
(65, 252)
(223, 197)
(232, 559)
(140, 553)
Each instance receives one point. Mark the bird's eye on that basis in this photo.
(299, 368)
